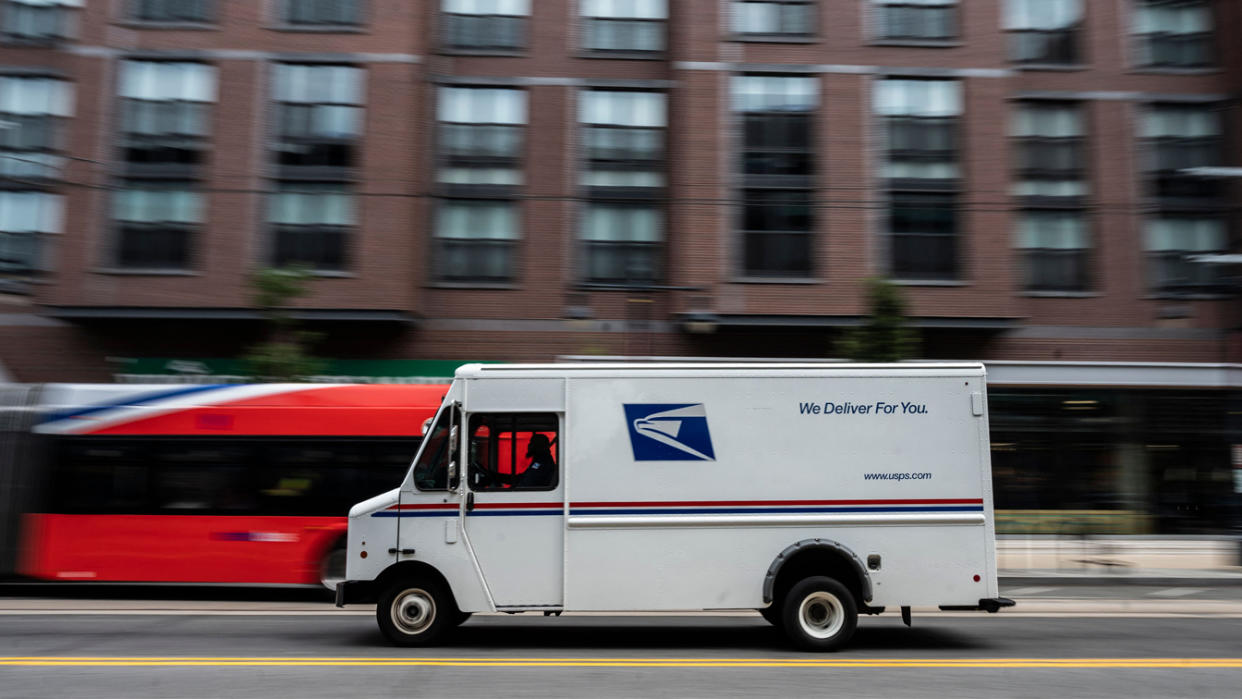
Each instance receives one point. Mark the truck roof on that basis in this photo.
(718, 369)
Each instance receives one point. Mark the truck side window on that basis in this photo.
(513, 451)
(431, 469)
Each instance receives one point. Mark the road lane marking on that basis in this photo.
(840, 663)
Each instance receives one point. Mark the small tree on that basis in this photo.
(283, 356)
(884, 337)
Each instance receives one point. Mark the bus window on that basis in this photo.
(98, 478)
(200, 477)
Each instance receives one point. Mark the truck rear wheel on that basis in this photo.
(414, 612)
(819, 614)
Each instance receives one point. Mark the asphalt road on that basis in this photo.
(1133, 643)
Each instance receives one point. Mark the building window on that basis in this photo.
(782, 18)
(485, 25)
(1182, 137)
(320, 116)
(622, 226)
(40, 21)
(481, 136)
(156, 222)
(32, 110)
(190, 11)
(622, 243)
(916, 20)
(476, 240)
(778, 173)
(322, 13)
(624, 134)
(1054, 248)
(1173, 33)
(1044, 31)
(1172, 240)
(1051, 150)
(311, 223)
(921, 122)
(624, 26)
(165, 115)
(924, 236)
(27, 218)
(922, 172)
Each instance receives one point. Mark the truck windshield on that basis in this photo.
(431, 469)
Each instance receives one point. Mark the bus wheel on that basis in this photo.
(332, 566)
(414, 612)
(819, 614)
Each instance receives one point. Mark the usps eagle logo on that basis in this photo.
(669, 432)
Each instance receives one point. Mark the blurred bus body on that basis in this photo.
(246, 484)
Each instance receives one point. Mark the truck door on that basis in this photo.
(514, 511)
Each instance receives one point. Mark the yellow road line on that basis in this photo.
(841, 663)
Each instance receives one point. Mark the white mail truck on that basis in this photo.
(808, 492)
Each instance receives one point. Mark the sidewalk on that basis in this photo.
(1119, 561)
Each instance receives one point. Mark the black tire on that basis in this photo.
(415, 612)
(819, 614)
(772, 614)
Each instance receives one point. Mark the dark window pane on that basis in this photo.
(485, 32)
(154, 246)
(1053, 46)
(778, 254)
(924, 236)
(318, 247)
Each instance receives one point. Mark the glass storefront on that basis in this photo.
(1115, 461)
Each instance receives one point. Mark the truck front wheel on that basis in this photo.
(414, 612)
(819, 614)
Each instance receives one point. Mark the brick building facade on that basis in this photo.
(524, 179)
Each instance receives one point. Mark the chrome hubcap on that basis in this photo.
(413, 611)
(821, 615)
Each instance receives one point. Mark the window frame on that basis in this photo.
(518, 424)
(810, 35)
(955, 238)
(1082, 255)
(1026, 145)
(446, 160)
(67, 21)
(281, 140)
(1075, 36)
(794, 193)
(187, 232)
(133, 14)
(880, 25)
(1143, 46)
(447, 20)
(586, 21)
(1157, 179)
(285, 20)
(510, 247)
(1155, 260)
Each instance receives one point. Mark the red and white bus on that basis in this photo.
(246, 484)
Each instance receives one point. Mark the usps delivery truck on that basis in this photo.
(808, 492)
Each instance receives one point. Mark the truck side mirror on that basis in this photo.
(453, 480)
